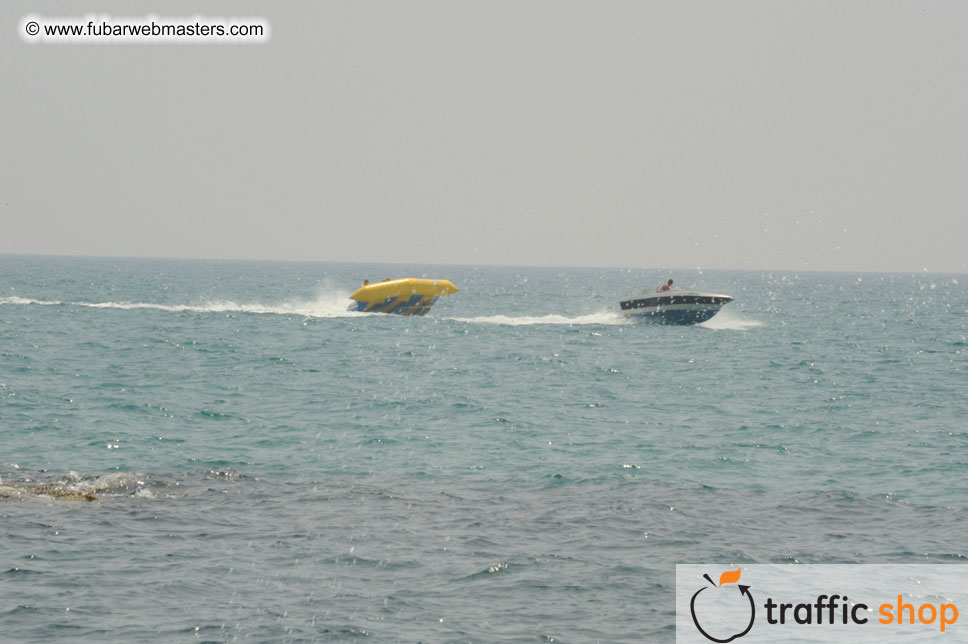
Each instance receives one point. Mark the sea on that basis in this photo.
(218, 451)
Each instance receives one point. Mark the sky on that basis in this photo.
(808, 135)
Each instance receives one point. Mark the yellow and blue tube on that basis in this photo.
(408, 296)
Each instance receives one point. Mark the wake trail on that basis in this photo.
(600, 318)
(324, 306)
(334, 305)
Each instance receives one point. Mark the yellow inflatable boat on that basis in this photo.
(408, 296)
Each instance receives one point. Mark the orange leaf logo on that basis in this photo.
(729, 577)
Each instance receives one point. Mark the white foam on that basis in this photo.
(600, 318)
(114, 481)
(729, 320)
(23, 300)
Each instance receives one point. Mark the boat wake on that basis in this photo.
(599, 319)
(332, 305)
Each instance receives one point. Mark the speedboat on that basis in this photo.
(675, 307)
(408, 296)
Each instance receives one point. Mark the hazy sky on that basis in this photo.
(770, 134)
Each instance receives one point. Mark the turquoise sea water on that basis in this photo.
(521, 465)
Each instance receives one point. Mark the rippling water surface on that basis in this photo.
(217, 451)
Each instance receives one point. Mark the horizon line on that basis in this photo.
(923, 271)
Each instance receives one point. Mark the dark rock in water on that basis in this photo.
(57, 493)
